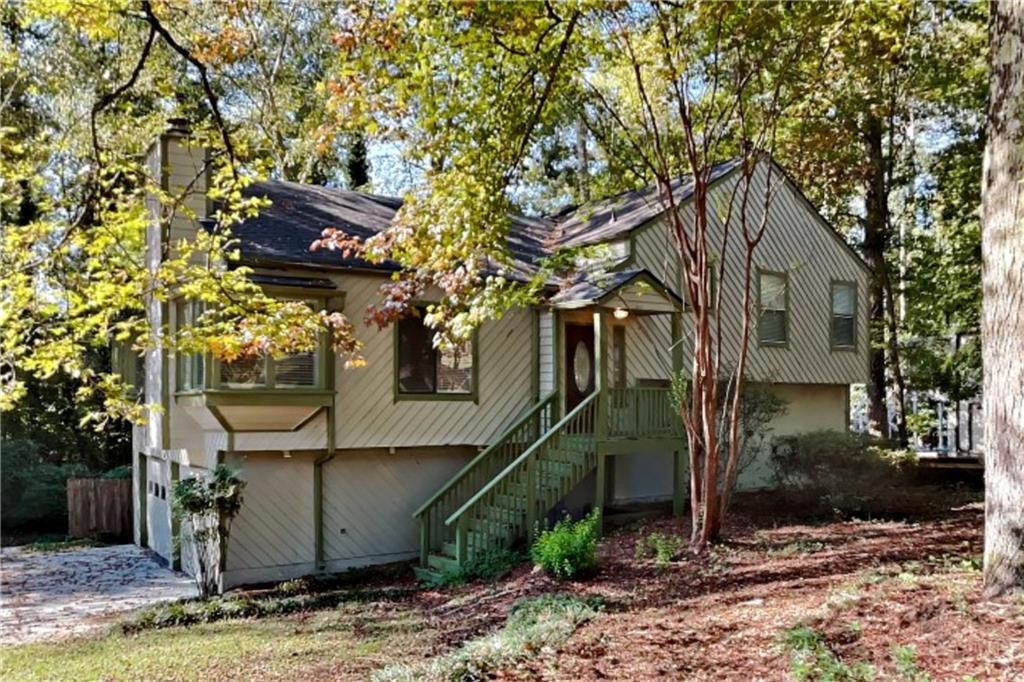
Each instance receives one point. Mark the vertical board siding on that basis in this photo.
(368, 416)
(100, 507)
(275, 527)
(369, 498)
(547, 352)
(798, 244)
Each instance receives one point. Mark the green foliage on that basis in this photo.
(905, 659)
(661, 547)
(118, 473)
(207, 506)
(569, 550)
(534, 625)
(759, 406)
(842, 470)
(811, 659)
(281, 602)
(86, 92)
(33, 489)
(493, 565)
(60, 545)
(921, 422)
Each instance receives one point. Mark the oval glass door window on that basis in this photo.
(581, 367)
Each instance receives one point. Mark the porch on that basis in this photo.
(588, 415)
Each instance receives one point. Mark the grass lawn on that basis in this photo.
(342, 643)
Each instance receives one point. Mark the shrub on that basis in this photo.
(659, 546)
(33, 491)
(568, 550)
(842, 470)
(208, 505)
(119, 472)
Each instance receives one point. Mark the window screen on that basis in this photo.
(772, 327)
(844, 320)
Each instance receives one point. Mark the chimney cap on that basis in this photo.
(179, 125)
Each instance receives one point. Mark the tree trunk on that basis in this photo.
(875, 227)
(1002, 324)
(899, 383)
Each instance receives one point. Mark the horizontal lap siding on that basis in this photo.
(798, 244)
(368, 416)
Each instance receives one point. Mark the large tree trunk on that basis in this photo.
(1002, 325)
(875, 227)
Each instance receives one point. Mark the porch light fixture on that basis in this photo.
(620, 313)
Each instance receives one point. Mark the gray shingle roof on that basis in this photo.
(298, 214)
(616, 216)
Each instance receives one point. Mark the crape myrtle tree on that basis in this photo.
(1002, 325)
(675, 87)
(86, 88)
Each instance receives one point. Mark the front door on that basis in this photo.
(579, 363)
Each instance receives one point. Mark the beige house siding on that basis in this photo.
(274, 536)
(369, 498)
(648, 348)
(800, 245)
(368, 415)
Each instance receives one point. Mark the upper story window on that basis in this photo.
(296, 371)
(773, 305)
(843, 328)
(191, 366)
(423, 371)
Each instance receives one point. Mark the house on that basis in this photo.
(426, 454)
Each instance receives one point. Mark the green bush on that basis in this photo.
(120, 472)
(568, 550)
(658, 546)
(843, 471)
(33, 491)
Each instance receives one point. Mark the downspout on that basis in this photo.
(318, 487)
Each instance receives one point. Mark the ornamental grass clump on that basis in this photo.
(569, 550)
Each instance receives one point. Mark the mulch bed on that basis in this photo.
(867, 586)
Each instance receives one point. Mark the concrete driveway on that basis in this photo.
(53, 595)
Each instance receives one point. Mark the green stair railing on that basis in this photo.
(642, 413)
(508, 506)
(434, 533)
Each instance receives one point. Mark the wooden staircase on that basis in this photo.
(500, 497)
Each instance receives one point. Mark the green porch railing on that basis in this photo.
(642, 413)
(478, 472)
(509, 506)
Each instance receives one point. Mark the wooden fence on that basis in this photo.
(100, 507)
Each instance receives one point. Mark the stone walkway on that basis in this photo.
(53, 595)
